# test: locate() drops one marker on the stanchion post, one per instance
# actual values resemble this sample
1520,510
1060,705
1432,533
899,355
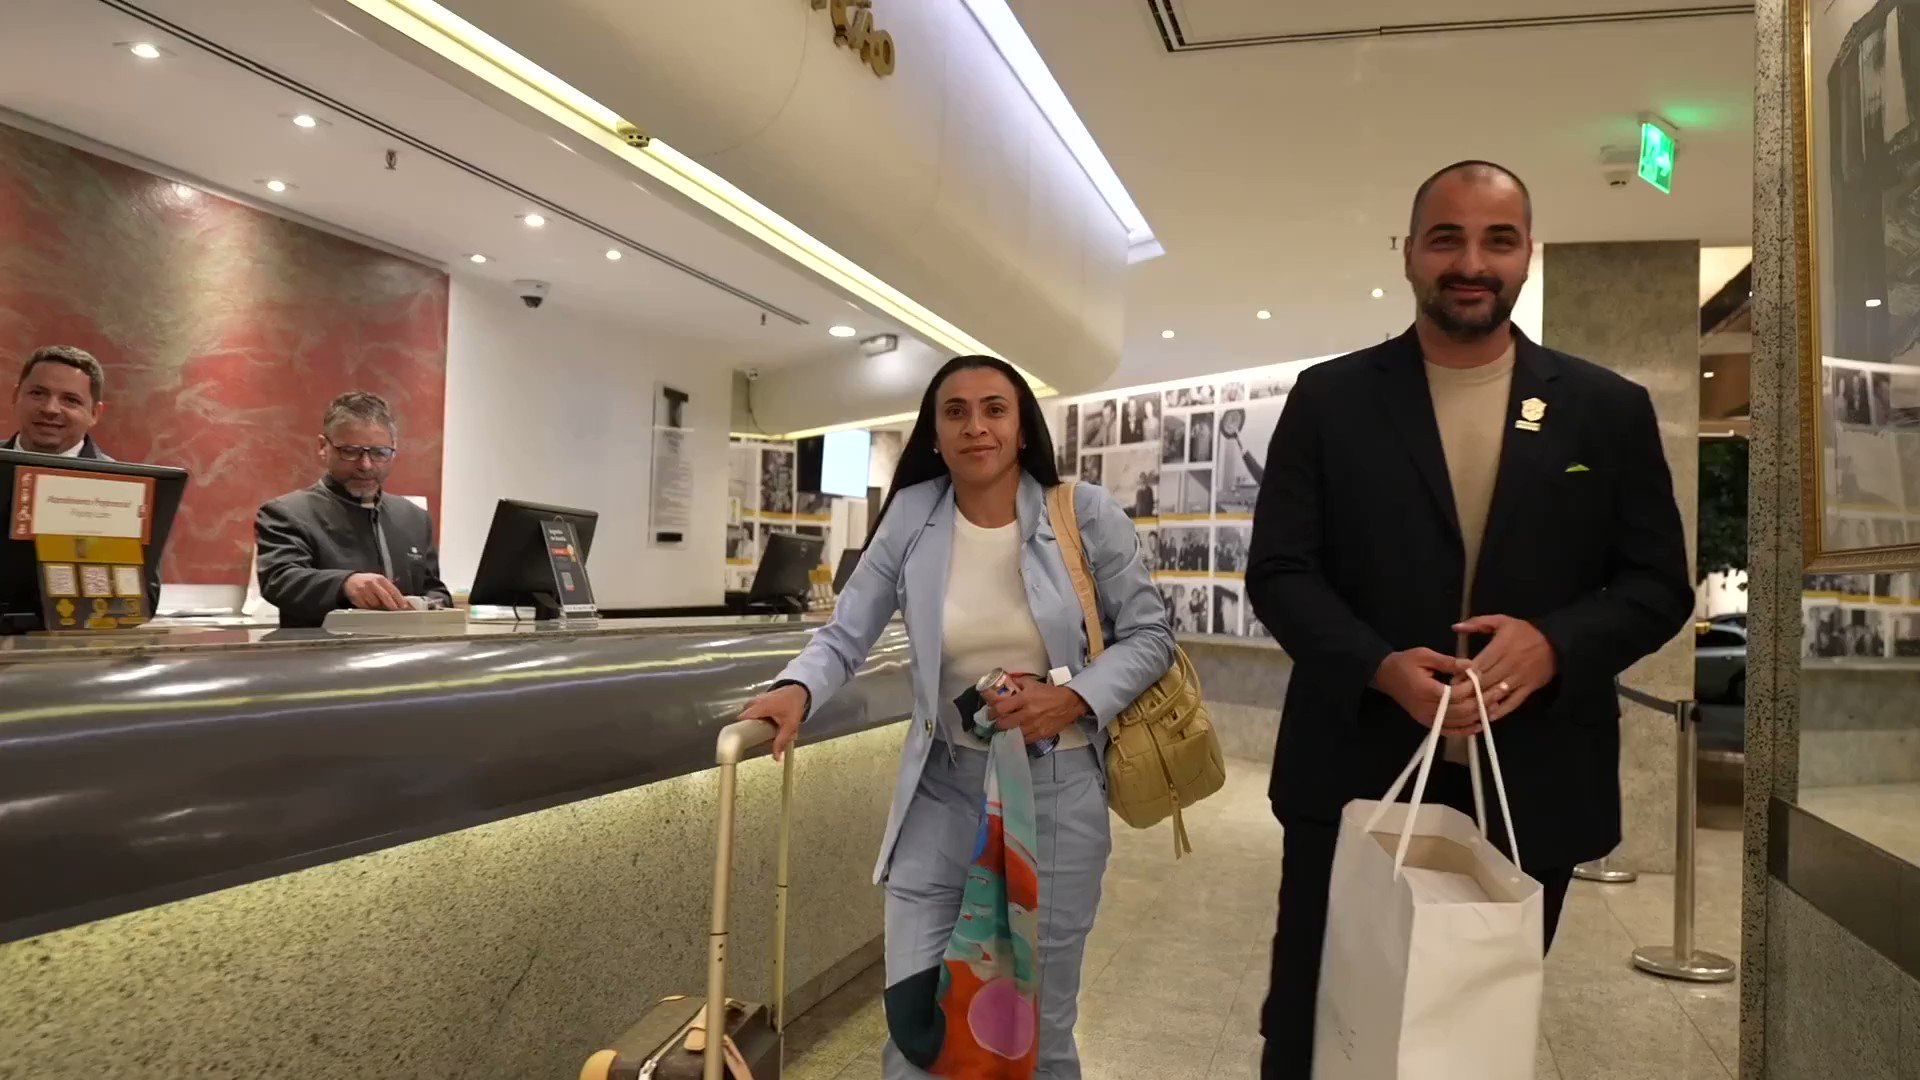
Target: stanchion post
1602,871
1681,960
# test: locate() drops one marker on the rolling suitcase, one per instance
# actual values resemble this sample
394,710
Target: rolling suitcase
671,1041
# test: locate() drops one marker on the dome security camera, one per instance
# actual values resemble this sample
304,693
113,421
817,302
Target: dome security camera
532,293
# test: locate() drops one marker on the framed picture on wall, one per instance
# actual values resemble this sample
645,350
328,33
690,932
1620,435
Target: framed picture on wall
1858,232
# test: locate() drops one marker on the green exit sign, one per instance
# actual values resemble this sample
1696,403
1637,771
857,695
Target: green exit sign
1656,156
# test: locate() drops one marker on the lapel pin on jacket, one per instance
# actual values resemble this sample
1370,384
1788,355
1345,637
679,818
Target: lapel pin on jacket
1532,411
1577,467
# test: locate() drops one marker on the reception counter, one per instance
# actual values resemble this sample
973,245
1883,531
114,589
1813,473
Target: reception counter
241,853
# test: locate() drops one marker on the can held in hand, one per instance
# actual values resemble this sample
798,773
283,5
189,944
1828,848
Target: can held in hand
999,683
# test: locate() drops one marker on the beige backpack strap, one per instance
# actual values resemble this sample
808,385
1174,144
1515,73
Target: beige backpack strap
1066,530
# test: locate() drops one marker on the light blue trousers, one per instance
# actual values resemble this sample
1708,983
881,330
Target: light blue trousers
930,867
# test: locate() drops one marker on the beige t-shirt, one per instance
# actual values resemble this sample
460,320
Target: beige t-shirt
1470,405
987,622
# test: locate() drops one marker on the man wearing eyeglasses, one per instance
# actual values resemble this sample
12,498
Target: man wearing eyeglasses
345,542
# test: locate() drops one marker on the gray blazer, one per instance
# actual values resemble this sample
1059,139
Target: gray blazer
905,569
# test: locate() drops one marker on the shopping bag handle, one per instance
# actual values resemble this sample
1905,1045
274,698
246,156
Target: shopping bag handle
1423,762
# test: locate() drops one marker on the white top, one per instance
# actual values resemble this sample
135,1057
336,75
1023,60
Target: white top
987,622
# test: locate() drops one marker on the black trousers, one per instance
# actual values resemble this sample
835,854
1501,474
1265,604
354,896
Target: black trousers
1306,872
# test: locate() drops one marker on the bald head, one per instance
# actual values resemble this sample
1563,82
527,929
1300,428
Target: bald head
1475,173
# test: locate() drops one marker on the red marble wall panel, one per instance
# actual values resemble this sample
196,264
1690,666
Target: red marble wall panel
224,332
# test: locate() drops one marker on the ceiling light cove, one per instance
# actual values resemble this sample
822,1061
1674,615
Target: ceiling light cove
485,57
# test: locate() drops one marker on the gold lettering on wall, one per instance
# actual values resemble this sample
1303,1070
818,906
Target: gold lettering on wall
853,29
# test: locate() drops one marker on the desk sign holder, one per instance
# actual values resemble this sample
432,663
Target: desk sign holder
572,596
90,536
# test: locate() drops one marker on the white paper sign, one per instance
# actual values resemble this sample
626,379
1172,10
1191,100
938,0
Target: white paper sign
65,505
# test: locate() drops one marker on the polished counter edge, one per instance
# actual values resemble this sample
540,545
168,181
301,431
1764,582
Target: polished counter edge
202,769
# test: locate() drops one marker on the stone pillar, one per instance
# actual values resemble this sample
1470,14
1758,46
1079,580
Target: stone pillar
1635,308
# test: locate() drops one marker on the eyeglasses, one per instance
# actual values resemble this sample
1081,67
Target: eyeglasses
379,455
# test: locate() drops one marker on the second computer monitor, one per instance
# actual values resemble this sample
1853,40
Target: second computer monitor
519,566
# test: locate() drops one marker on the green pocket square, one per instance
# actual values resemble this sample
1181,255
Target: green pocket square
1577,467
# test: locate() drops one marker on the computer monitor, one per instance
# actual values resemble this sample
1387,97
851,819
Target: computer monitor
19,567
849,562
786,571
834,464
519,568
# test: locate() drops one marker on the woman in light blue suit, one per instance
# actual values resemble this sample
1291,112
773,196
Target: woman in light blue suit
965,552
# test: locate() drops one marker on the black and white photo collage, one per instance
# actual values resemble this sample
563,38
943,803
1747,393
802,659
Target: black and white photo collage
1872,499
764,498
1184,460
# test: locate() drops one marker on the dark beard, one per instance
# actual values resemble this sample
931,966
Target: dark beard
1464,329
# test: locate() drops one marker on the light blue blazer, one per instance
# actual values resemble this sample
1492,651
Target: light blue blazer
905,569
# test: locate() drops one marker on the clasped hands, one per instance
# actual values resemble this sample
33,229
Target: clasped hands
1517,661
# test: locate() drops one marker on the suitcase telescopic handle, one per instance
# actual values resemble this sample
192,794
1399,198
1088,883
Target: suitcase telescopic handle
735,742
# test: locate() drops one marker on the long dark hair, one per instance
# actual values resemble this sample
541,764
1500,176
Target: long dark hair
919,463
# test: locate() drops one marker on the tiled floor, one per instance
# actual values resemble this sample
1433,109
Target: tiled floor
1177,966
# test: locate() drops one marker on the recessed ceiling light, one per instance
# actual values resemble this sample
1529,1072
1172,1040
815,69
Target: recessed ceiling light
1166,333
533,221
1706,374
1263,313
1378,293
1875,302
277,186
145,50
613,254
476,257
842,331
303,120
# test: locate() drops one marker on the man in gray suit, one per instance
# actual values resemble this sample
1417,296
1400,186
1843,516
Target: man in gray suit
345,542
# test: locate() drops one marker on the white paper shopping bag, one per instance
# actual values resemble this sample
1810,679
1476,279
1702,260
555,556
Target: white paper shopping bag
1434,949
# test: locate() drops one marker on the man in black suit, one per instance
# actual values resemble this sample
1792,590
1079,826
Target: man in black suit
1456,497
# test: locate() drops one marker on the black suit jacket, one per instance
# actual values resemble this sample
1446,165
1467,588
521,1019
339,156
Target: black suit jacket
1357,554
309,542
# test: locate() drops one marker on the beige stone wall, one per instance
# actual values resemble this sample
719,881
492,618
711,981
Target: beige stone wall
1634,308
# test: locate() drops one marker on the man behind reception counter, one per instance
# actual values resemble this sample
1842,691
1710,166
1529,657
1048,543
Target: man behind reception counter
58,398
345,542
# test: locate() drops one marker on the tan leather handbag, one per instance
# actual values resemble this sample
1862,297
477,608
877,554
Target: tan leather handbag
1164,755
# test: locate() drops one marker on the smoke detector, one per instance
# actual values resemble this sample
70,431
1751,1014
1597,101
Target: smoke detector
1619,165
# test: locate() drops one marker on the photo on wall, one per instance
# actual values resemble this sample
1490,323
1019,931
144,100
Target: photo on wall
1091,470
1173,442
1852,397
1068,452
1185,549
1230,545
1140,419
1099,421
1267,386
1186,397
743,477
1257,629
776,481
1228,610
1186,492
812,504
1245,435
1867,469
1133,476
742,548
1150,549
1200,438
1232,392
1187,607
